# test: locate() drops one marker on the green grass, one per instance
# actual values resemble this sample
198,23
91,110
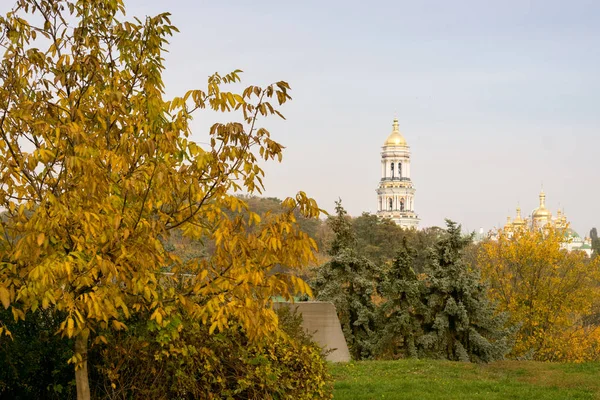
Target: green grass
426,379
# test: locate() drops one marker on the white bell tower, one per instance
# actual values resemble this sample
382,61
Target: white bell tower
396,193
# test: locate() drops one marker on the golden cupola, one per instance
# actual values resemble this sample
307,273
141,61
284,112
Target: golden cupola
395,138
519,221
561,220
541,216
508,225
542,212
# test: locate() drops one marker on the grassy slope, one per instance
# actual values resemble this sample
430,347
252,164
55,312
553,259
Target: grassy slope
416,379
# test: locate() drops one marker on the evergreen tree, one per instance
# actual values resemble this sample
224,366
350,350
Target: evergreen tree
341,226
401,315
349,282
460,323
595,242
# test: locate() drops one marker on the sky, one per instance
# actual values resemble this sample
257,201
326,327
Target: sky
495,98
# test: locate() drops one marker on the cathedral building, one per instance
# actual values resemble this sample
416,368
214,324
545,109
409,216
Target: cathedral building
396,193
541,217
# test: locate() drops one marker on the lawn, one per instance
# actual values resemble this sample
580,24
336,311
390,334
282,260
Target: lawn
423,380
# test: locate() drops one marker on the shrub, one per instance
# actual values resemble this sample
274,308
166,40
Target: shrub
140,362
225,365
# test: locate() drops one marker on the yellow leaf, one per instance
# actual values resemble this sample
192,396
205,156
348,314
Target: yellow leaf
4,296
70,327
40,239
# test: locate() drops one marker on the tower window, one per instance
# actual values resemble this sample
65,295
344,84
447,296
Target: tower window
399,170
392,169
402,205
391,205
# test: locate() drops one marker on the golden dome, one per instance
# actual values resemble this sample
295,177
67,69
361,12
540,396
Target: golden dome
518,219
542,212
395,138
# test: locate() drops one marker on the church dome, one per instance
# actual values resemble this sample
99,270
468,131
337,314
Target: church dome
519,221
570,233
395,138
542,212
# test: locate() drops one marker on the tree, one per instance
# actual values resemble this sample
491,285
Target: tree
422,242
460,322
402,311
378,239
548,291
595,242
349,281
98,169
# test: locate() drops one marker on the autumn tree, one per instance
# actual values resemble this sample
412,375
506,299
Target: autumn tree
98,168
349,281
549,292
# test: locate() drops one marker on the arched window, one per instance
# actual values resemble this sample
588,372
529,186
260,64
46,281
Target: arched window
391,205
399,170
401,204
392,165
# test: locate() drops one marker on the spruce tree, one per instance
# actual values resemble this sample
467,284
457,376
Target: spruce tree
595,242
402,313
460,323
349,282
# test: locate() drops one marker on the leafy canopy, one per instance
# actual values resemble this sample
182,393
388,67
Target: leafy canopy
98,169
549,291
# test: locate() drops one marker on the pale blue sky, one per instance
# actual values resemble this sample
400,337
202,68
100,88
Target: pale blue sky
494,97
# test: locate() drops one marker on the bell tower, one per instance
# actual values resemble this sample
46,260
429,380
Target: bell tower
396,193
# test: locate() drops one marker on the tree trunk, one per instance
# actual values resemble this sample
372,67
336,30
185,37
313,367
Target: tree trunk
81,372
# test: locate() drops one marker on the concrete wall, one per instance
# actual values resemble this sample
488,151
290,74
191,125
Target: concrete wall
321,321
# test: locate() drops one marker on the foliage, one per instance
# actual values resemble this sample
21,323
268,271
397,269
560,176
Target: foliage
422,242
595,242
378,239
443,313
98,169
460,323
549,291
224,365
430,302
140,363
34,361
349,282
445,380
402,311
265,207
